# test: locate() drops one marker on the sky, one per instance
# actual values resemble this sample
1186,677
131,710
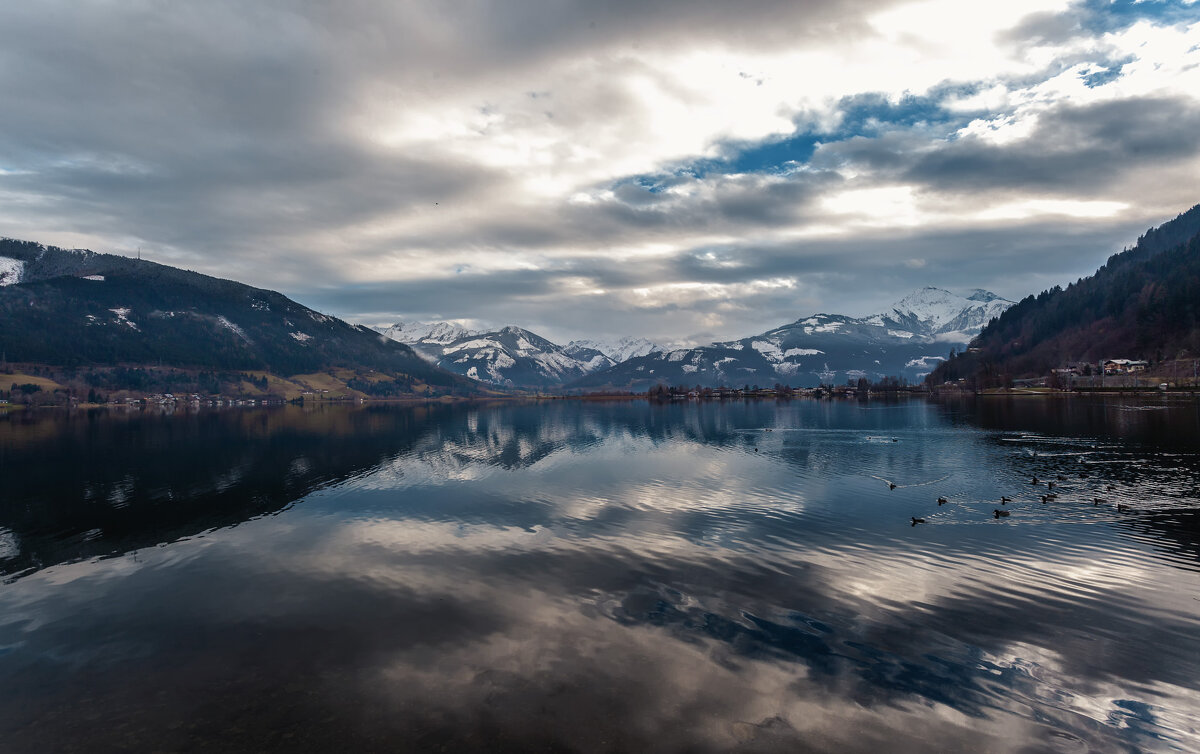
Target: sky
685,170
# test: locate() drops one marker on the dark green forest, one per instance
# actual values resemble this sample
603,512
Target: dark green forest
1144,303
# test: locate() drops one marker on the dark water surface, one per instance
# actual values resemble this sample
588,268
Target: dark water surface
603,577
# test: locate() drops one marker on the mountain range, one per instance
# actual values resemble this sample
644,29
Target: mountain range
77,308
511,357
908,340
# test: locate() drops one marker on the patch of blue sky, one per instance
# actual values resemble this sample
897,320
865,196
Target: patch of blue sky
1113,15
873,114
868,115
1106,72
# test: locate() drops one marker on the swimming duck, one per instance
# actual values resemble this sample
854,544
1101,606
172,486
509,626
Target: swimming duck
891,485
1005,500
1098,500
1048,498
1062,478
1035,481
1050,485
1122,507
942,501
999,513
916,520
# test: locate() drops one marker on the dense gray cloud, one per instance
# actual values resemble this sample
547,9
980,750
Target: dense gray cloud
1077,149
856,276
571,167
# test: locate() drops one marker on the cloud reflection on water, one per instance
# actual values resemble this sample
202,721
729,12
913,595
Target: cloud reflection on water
667,588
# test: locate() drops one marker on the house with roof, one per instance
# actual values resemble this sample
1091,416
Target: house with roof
1124,366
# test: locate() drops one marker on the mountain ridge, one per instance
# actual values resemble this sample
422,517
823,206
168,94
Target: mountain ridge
510,357
83,308
905,341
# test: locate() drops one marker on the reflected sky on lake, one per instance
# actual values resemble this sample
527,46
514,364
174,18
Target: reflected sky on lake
603,577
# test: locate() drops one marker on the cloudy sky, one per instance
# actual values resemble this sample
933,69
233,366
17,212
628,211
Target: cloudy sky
682,169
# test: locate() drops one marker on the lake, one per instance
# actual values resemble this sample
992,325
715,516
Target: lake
603,576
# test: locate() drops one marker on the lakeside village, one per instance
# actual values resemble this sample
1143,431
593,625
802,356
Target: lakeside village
40,386
1107,375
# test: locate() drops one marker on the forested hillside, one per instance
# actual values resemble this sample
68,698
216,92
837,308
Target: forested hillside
79,308
1144,303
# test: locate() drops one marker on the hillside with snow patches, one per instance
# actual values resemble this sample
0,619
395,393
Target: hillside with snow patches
11,271
909,339
78,308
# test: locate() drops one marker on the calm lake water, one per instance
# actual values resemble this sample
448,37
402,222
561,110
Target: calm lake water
593,577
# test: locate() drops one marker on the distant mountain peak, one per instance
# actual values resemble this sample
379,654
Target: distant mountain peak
619,350
927,300
510,356
426,332
933,311
979,294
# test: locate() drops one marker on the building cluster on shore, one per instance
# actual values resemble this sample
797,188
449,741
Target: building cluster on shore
861,389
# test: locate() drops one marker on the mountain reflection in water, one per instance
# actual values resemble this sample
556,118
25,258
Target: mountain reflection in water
603,577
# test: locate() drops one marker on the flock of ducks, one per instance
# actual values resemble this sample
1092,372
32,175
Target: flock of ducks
1049,497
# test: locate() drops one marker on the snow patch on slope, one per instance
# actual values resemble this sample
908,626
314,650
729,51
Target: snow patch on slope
471,344
770,351
232,327
123,316
11,271
923,362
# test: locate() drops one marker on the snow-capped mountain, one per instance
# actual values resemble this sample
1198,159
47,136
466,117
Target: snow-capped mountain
908,340
593,357
436,333
940,314
512,356
620,350
509,357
